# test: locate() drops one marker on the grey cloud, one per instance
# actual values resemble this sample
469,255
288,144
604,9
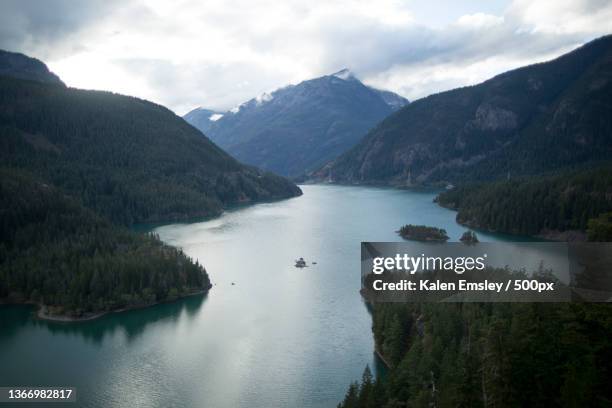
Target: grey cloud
215,86
317,43
42,27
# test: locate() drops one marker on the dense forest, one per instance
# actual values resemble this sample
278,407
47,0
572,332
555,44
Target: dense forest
543,117
55,252
127,159
531,206
78,168
489,354
502,354
422,233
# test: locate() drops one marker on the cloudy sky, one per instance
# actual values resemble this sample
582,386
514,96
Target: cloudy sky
219,53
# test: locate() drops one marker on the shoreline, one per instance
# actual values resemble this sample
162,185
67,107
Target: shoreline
370,306
42,310
545,234
381,357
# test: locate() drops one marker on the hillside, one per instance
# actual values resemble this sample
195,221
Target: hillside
545,206
127,159
20,66
78,167
489,354
296,129
56,253
541,117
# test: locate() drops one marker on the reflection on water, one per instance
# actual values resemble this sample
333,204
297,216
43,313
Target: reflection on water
130,323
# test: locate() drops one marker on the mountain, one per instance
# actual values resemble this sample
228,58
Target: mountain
77,168
20,66
297,128
125,158
534,119
203,119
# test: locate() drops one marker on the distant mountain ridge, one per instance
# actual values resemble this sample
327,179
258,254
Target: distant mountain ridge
297,128
530,120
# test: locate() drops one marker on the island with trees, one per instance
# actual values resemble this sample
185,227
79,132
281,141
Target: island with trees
423,233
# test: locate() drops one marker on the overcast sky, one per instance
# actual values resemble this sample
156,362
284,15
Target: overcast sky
219,53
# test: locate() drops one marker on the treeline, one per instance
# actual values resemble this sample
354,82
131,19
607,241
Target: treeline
530,206
493,354
55,252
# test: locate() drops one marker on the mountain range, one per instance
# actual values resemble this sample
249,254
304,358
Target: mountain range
530,120
298,128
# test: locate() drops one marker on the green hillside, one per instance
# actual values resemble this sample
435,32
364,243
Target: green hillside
127,159
534,205
530,120
55,252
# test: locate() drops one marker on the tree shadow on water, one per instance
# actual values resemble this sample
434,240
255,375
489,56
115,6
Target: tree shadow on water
132,322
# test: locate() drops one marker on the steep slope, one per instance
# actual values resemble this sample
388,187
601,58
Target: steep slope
298,128
20,66
529,120
127,159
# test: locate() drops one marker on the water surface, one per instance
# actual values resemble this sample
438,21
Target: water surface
267,335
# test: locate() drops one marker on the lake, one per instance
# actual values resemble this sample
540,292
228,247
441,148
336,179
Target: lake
267,334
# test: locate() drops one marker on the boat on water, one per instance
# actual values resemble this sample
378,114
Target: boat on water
300,263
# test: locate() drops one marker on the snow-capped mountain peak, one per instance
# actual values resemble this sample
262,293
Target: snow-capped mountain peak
344,74
295,129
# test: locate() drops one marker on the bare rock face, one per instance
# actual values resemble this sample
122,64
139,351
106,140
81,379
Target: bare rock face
489,117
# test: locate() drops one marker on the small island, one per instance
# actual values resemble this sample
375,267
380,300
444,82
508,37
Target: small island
423,233
469,237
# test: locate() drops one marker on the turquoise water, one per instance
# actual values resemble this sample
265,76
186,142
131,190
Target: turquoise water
277,337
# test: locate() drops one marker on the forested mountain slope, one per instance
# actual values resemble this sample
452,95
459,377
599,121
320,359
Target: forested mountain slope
543,205
126,158
489,354
57,253
538,118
